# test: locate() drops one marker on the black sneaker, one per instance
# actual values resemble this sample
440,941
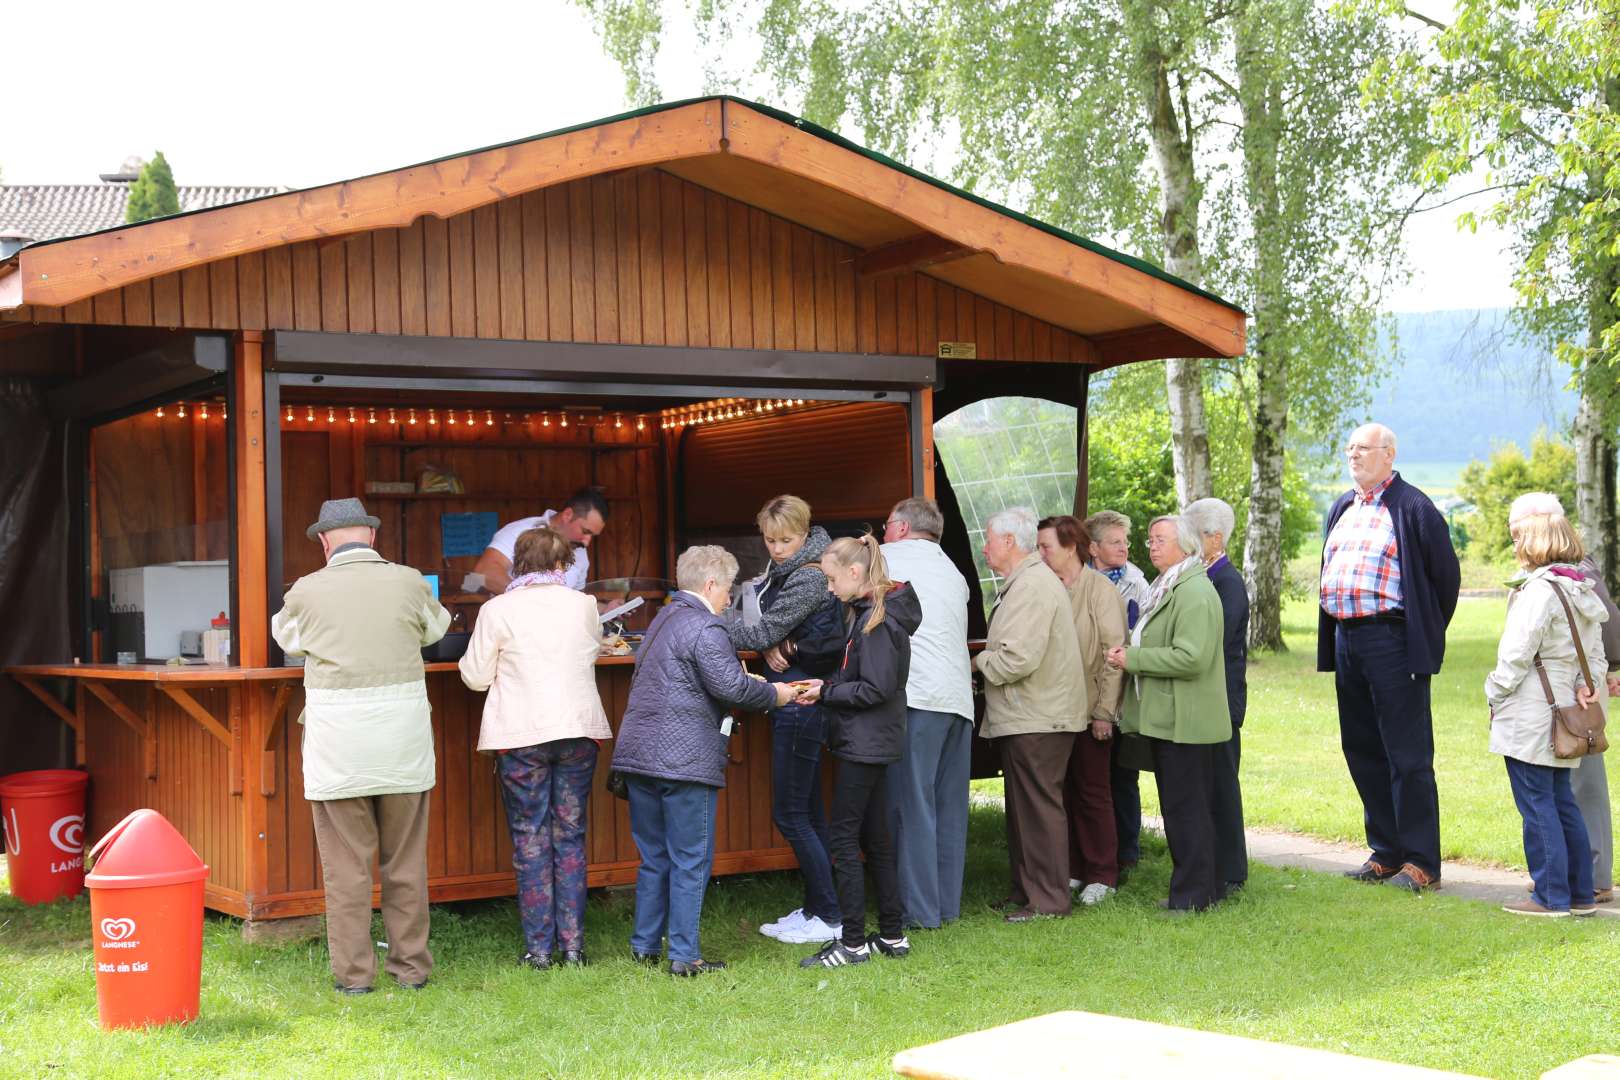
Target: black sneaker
684,970
647,959
351,991
539,961
837,954
894,948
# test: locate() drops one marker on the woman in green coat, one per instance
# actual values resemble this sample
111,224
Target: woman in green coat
1175,697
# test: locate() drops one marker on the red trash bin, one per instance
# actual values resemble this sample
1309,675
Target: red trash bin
43,813
146,921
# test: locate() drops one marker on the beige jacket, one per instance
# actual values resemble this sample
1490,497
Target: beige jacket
360,624
1034,683
535,651
1099,622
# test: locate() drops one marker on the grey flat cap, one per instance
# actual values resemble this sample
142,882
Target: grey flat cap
341,514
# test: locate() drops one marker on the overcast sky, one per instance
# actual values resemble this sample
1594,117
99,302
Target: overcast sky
301,93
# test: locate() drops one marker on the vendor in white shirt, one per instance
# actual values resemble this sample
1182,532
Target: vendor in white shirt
580,521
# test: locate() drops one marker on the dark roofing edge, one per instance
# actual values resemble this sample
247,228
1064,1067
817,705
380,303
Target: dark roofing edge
776,114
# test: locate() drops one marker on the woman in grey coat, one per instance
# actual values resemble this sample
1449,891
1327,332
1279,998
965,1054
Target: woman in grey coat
1541,628
672,752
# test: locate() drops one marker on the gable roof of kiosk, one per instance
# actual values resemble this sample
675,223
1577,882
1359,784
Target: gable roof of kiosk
899,218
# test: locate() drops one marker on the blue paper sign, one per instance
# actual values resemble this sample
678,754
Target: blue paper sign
467,534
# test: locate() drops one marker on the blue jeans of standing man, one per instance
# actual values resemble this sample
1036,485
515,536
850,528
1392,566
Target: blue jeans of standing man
1387,732
545,789
672,823
797,733
1555,844
928,796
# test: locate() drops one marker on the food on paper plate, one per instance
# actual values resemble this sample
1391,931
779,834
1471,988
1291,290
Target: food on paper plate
615,645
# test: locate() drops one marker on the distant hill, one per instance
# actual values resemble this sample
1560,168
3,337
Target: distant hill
1464,383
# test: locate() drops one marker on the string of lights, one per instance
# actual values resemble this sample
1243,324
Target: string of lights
715,411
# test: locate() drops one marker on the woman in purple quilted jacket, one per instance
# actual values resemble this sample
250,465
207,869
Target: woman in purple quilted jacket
672,751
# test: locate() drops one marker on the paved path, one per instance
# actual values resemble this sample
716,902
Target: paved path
1459,879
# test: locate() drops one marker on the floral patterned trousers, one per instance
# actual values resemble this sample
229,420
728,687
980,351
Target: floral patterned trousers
545,788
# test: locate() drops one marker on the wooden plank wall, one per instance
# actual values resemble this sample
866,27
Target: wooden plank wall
192,786
641,258
328,460
849,462
160,488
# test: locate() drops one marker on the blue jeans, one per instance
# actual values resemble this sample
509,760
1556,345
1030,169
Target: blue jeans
928,798
1387,733
1555,843
797,733
672,822
546,789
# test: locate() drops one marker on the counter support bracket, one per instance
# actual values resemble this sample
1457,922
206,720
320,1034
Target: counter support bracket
226,735
62,712
143,728
272,727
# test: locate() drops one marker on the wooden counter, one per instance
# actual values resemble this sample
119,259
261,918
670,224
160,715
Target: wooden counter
216,750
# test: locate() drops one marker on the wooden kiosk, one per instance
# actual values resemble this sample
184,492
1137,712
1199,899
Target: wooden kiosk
695,306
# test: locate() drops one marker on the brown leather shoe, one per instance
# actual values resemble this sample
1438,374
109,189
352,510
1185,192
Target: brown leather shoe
1530,907
1604,896
1414,879
1371,871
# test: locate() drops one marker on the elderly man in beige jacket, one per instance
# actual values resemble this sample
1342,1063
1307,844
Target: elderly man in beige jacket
1035,700
360,623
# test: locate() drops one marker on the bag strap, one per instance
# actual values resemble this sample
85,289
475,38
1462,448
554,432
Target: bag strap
1580,651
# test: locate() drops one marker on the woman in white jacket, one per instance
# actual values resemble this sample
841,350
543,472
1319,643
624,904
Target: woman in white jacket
534,649
1555,841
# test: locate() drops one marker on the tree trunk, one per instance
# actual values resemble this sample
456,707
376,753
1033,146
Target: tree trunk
1589,469
1595,418
1179,195
1260,99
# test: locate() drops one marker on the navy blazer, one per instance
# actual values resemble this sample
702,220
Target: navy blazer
1430,577
1234,596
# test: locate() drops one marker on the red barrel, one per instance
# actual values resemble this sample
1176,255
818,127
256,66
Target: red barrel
44,825
146,922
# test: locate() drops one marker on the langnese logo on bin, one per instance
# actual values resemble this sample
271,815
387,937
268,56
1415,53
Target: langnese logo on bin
118,933
67,834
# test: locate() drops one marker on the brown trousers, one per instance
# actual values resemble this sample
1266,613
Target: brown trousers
1034,767
390,830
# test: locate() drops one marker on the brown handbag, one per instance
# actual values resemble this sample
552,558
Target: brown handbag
1577,730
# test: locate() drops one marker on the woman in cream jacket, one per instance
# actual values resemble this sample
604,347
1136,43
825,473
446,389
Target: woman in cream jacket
534,650
1556,847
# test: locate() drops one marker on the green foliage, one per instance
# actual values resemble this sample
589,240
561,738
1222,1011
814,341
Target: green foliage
1131,468
1529,92
1492,486
153,193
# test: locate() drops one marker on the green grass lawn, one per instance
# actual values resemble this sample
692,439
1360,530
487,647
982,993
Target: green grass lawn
1300,958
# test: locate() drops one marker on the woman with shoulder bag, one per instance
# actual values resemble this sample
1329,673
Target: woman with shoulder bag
1537,659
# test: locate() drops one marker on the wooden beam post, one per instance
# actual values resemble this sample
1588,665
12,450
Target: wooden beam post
1082,449
923,402
913,253
250,636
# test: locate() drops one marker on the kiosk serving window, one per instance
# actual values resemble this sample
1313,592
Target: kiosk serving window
159,533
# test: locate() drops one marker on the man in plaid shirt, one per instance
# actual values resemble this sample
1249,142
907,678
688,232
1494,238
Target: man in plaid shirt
1388,589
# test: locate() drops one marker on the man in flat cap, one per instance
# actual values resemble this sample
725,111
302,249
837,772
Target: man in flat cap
361,623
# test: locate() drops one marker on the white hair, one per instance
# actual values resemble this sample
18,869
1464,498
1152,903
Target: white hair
699,565
1385,436
1535,502
1211,517
1186,536
1018,522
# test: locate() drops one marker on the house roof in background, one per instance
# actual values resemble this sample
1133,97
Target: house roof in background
51,211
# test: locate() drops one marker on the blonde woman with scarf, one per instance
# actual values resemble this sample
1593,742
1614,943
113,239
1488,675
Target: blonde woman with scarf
1175,697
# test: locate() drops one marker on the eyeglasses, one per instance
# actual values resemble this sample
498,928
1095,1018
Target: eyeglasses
1154,541
1361,448
895,521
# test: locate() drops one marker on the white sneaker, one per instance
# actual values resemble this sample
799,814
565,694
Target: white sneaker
787,922
1095,893
811,930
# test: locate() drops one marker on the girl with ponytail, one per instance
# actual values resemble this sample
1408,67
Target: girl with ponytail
864,700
